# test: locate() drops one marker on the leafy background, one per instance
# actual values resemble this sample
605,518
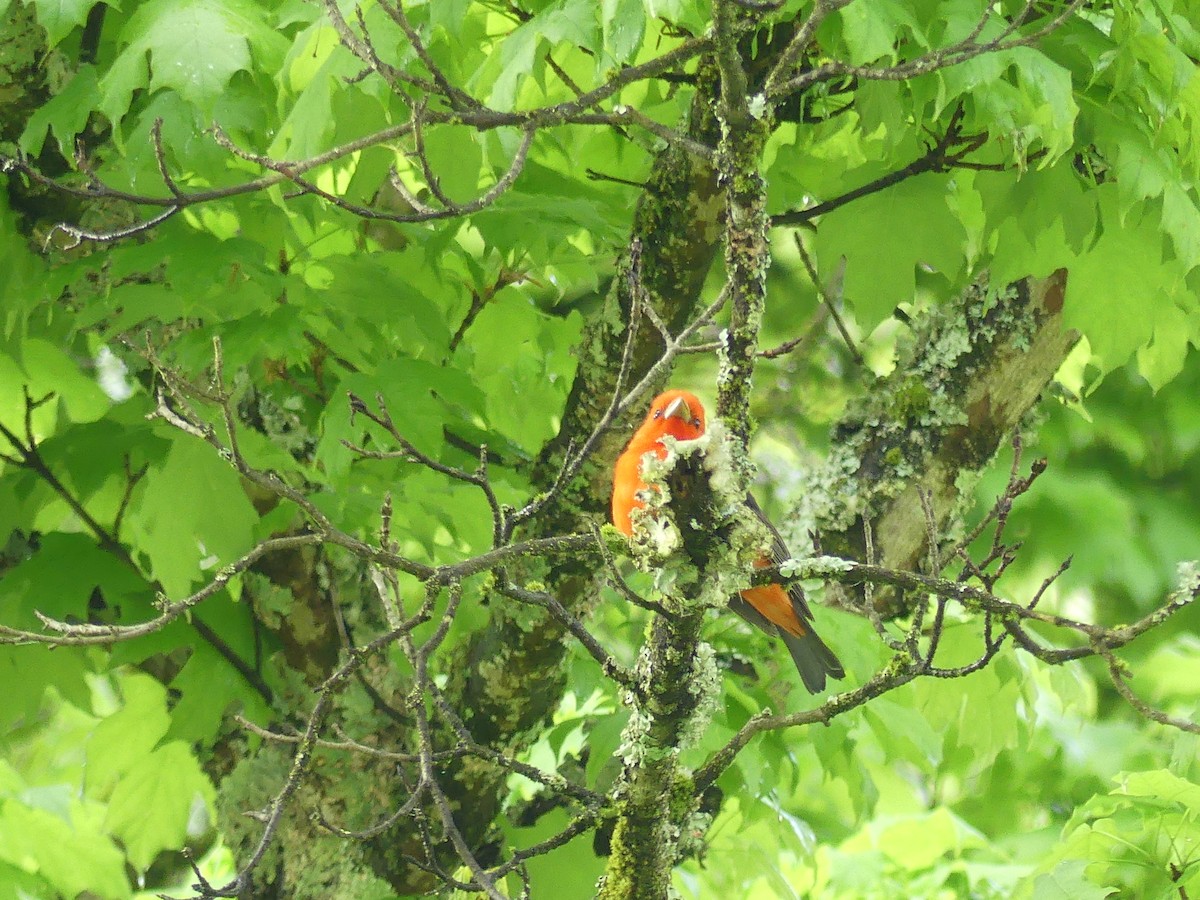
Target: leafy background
1022,780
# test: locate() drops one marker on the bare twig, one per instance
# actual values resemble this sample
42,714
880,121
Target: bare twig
621,402
457,98
364,49
550,603
960,51
85,633
827,301
1118,674
408,451
619,584
469,113
946,153
800,42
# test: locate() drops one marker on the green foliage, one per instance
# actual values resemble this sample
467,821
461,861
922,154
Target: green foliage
61,17
88,790
1079,151
174,526
192,48
868,231
1137,839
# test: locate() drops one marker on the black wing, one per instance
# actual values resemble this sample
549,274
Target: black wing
812,656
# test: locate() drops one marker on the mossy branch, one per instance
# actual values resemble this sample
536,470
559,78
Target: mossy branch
935,424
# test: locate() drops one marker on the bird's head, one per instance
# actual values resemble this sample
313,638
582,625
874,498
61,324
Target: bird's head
677,413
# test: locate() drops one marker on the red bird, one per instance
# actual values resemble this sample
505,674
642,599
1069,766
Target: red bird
771,607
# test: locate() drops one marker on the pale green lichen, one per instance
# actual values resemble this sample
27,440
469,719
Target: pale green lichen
949,345
655,536
890,435
704,683
693,833
815,566
720,462
1187,577
614,541
525,617
831,497
632,750
662,536
965,482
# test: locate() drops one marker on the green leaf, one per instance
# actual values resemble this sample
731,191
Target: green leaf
1161,784
408,388
516,351
1039,220
904,733
19,271
348,315
1050,109
874,32
192,517
1119,291
884,236
456,158
50,370
421,397
133,304
604,737
880,106
26,672
693,15
1181,221
64,115
623,23
43,583
449,14
14,881
573,874
1069,881
571,21
560,216
914,843
314,71
122,741
194,47
1173,669
1162,359
1143,169
61,17
151,806
73,856
207,686
129,72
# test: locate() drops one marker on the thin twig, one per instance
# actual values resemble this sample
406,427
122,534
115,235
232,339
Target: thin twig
961,51
1116,671
827,301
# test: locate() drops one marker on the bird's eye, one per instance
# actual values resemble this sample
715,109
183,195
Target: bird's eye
658,414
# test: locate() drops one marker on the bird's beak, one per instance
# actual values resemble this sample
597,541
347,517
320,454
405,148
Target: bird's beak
679,409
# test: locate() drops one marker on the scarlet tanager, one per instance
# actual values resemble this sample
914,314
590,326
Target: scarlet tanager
772,608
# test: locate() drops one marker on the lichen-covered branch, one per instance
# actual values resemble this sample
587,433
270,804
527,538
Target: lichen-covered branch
508,676
678,678
745,127
1099,641
655,796
933,426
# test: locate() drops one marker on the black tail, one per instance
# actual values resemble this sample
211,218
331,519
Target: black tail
813,659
